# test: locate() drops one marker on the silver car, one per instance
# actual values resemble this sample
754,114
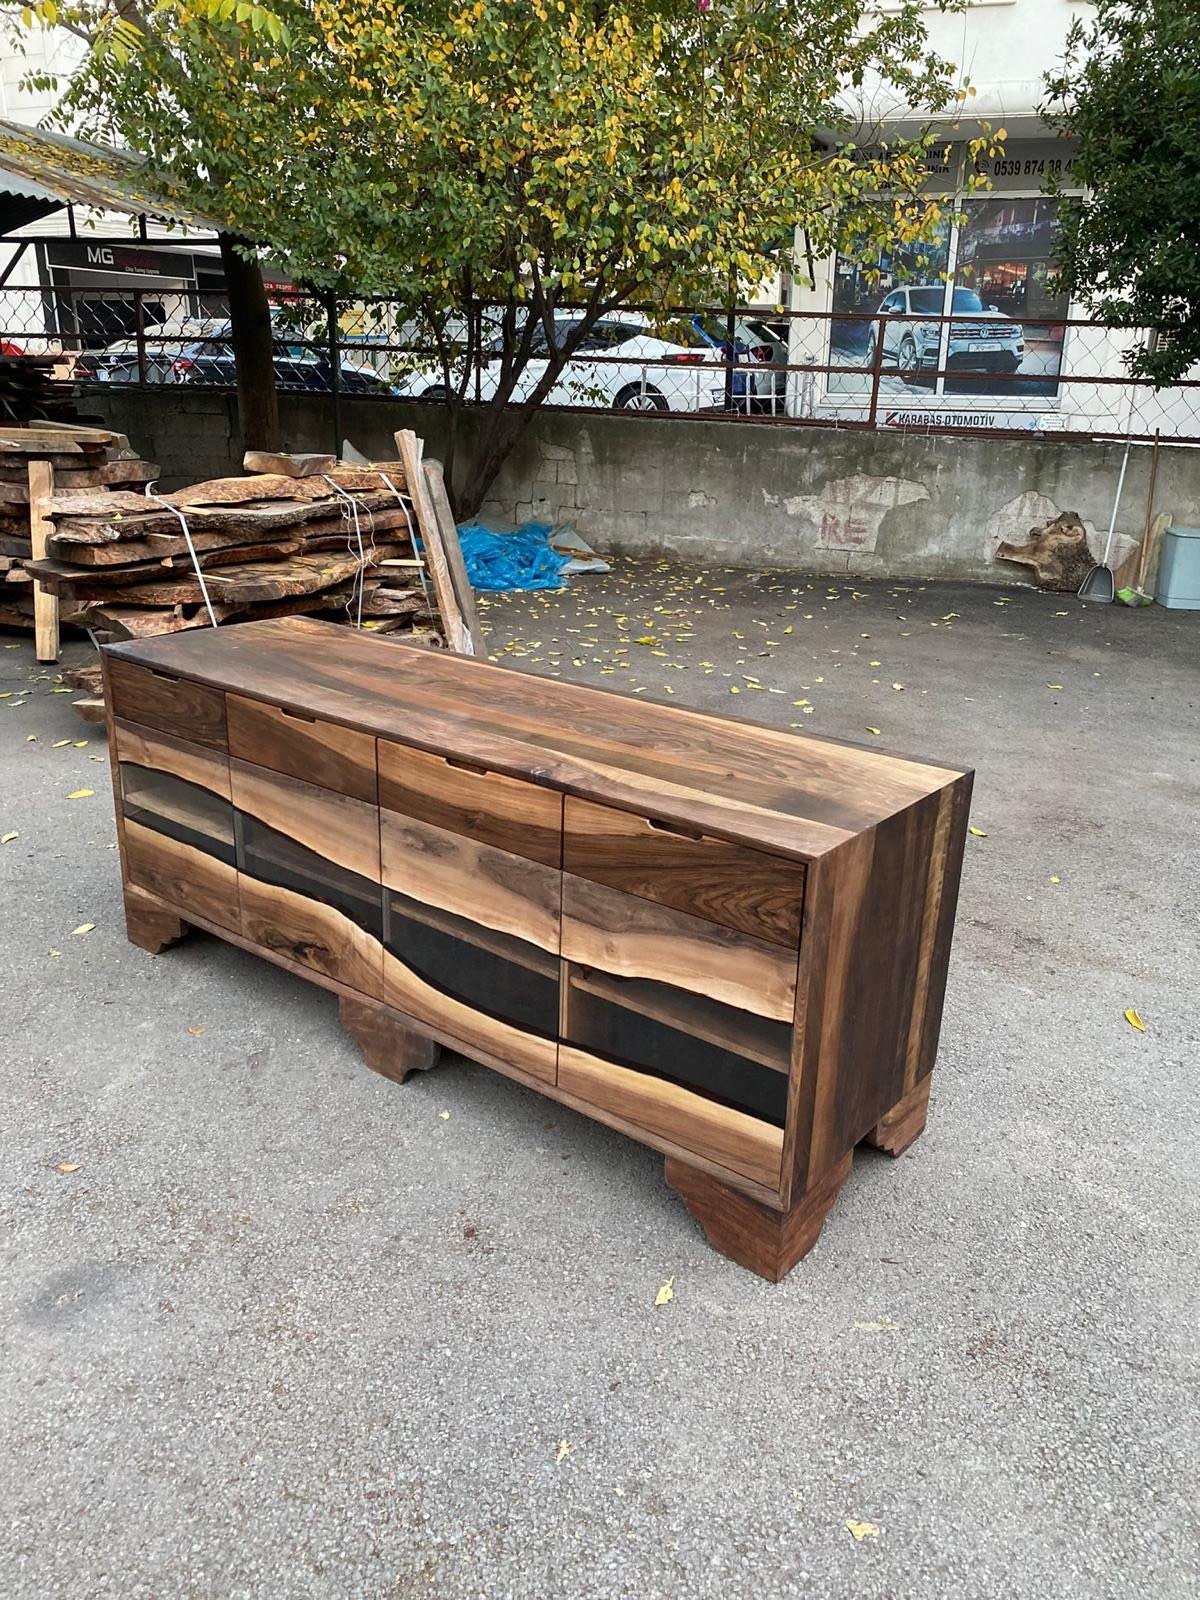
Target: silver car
981,338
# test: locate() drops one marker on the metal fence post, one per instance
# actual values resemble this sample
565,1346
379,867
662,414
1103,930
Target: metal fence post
876,369
139,328
335,374
731,343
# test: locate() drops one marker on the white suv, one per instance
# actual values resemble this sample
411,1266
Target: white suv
984,340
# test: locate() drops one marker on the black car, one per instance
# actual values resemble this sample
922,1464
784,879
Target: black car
211,361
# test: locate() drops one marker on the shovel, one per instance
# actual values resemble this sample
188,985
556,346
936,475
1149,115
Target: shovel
1099,584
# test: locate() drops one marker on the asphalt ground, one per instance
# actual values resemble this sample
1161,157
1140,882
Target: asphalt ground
271,1325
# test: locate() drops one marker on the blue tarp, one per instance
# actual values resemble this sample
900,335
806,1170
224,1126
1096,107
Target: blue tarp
520,560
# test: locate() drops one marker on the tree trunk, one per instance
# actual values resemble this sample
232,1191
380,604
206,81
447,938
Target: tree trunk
253,351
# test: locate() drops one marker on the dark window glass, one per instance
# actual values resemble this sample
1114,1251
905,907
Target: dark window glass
184,811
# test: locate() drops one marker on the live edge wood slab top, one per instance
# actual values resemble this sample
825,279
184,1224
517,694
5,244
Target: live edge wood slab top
787,793
724,940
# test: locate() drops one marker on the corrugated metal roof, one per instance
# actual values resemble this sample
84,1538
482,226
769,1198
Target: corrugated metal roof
49,169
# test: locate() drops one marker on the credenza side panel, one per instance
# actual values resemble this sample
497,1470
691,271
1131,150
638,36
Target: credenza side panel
873,956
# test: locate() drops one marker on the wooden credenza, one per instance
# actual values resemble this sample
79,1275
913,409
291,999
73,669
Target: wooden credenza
727,941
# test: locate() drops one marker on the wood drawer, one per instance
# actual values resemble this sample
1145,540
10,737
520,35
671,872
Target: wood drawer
299,744
671,1116
472,937
308,864
634,938
171,704
177,822
728,884
508,813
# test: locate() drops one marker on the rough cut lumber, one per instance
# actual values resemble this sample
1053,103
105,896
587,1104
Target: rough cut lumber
1057,553
13,488
45,605
302,466
457,634
463,592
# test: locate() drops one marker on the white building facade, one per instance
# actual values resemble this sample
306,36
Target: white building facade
1014,355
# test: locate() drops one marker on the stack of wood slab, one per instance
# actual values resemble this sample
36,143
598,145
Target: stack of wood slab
330,542
33,460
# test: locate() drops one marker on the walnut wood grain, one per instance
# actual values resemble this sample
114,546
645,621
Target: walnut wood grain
198,764
777,791
162,700
148,925
389,1047
182,875
311,934
335,826
506,893
724,883
757,1237
904,1123
728,1137
302,746
512,814
636,939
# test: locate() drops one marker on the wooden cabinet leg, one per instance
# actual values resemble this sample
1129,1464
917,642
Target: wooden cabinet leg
388,1047
897,1128
767,1242
148,925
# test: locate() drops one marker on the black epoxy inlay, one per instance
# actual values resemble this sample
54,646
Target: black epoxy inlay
273,858
180,810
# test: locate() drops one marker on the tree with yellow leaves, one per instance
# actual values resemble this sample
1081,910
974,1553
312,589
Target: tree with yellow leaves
491,162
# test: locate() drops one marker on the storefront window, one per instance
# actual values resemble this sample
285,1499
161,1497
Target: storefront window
993,272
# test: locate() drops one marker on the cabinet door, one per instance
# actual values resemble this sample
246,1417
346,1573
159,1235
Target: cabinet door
679,1026
302,746
177,823
471,942
308,864
729,884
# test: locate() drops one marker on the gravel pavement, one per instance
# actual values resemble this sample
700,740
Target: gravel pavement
272,1326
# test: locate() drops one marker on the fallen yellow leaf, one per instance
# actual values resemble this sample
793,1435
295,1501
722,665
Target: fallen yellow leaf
861,1530
977,832
1055,880
60,744
1054,686
647,638
445,1116
68,1166
899,686
7,838
884,1325
873,730
84,927
563,1451
81,794
1134,1021
666,1294
196,1030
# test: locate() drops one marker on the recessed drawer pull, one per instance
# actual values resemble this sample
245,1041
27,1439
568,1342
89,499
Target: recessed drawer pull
295,716
673,827
464,766
167,677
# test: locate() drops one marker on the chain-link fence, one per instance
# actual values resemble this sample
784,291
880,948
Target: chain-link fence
922,368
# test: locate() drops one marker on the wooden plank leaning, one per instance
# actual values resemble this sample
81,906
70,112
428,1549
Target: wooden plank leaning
45,604
458,635
435,478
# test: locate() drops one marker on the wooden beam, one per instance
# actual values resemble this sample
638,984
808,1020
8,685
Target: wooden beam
45,604
458,635
436,480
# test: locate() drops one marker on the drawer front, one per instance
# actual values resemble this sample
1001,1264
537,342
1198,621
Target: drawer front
507,813
177,823
676,1004
668,1115
728,884
308,862
172,705
472,941
302,746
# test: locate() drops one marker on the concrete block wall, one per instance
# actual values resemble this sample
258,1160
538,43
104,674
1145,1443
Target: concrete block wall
729,493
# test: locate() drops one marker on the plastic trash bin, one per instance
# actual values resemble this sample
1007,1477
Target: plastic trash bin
1178,583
